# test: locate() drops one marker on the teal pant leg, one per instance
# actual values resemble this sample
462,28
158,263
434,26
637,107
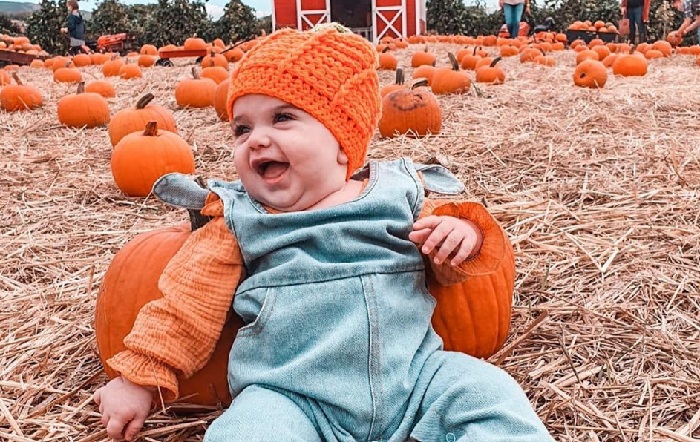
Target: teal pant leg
467,399
259,414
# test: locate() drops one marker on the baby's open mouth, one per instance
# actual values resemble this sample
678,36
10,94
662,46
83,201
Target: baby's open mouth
271,169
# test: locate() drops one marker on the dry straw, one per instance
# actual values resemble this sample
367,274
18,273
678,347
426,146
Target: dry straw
598,191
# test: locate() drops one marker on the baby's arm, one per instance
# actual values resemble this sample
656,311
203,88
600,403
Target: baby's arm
178,332
482,239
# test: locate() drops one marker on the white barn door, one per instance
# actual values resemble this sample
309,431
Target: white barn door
312,12
388,19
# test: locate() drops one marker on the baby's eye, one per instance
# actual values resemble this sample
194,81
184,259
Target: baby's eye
240,129
283,116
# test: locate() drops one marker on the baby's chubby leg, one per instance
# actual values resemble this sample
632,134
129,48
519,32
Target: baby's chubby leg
259,414
468,399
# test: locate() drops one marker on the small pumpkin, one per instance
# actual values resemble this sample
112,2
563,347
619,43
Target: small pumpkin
591,74
135,119
139,159
423,58
83,109
129,71
148,49
387,60
82,60
67,75
16,97
146,61
450,80
195,92
194,44
111,68
130,282
491,73
414,112
214,59
215,73
102,87
630,65
220,99
469,60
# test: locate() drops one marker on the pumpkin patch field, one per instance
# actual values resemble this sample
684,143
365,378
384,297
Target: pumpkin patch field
594,175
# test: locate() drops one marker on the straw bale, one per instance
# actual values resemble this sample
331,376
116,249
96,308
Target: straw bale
598,190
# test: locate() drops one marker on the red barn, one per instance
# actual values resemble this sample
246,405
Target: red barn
373,19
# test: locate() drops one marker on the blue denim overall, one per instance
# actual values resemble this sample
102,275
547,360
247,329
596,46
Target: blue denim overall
338,344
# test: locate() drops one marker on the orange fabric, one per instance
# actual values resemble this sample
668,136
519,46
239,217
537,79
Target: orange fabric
178,333
328,74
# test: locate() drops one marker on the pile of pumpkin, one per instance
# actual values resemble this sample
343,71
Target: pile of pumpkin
20,44
596,26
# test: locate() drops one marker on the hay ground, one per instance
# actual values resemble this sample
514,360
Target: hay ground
598,190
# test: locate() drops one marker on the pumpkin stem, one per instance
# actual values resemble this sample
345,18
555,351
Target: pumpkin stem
453,61
420,83
151,129
632,49
16,77
385,50
198,220
495,60
400,77
81,88
143,101
426,48
474,52
194,73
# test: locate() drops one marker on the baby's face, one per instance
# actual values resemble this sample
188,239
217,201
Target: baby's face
285,158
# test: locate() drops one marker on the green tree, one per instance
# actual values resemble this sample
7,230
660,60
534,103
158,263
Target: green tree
447,17
238,22
7,26
173,21
110,17
44,26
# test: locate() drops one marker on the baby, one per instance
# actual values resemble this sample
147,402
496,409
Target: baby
328,268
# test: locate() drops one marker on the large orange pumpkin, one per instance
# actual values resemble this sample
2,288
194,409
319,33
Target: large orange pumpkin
130,282
139,159
414,112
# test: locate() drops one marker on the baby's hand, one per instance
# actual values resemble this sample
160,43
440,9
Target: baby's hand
455,237
124,407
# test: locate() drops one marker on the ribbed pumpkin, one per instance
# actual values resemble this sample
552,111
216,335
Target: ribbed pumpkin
16,97
195,92
215,73
130,71
146,61
490,74
148,49
220,100
102,87
82,60
214,59
111,68
591,74
67,75
474,317
423,58
131,281
414,112
387,60
130,120
194,44
630,65
83,109
139,159
450,80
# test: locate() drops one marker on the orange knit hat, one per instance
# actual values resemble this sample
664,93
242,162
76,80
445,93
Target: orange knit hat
330,75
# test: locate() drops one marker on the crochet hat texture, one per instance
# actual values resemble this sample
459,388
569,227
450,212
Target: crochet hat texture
329,74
